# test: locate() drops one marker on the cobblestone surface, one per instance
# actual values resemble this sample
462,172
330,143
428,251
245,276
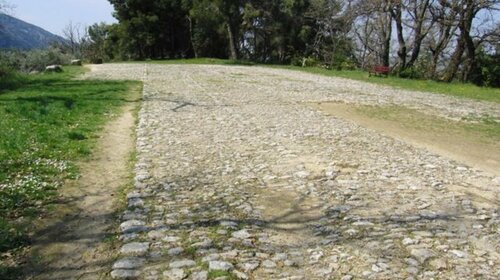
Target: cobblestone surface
237,178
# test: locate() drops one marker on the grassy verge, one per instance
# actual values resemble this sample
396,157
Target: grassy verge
453,89
475,144
47,123
485,129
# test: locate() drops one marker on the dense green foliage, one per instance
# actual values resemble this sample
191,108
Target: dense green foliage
490,69
263,31
46,123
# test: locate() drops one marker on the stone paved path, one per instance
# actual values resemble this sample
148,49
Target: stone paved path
237,178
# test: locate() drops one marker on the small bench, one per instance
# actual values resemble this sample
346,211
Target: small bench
379,70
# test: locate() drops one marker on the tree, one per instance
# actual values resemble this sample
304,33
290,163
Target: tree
332,22
154,28
396,10
466,11
422,23
276,31
441,31
74,35
375,19
410,17
94,45
208,30
230,12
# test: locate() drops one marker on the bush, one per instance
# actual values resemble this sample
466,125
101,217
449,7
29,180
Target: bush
296,61
9,79
35,60
304,61
411,73
4,72
12,59
489,65
348,65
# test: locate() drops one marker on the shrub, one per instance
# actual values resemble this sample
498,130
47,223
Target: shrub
12,59
35,60
296,61
348,65
411,73
304,61
310,62
489,65
9,79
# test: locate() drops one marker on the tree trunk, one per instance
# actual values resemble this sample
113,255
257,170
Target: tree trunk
420,12
433,70
464,42
416,51
387,42
446,31
397,15
195,51
472,72
232,44
455,61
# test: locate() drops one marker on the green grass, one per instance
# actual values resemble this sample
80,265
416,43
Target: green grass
485,128
47,123
453,89
220,273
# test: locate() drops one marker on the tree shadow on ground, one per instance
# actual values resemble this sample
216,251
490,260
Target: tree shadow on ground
333,217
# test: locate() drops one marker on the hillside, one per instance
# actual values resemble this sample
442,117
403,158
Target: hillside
17,34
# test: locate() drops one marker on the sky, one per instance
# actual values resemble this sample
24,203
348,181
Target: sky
54,15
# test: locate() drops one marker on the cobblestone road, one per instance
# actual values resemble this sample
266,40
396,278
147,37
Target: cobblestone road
238,178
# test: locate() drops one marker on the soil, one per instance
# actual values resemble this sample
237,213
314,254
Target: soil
76,242
463,146
288,215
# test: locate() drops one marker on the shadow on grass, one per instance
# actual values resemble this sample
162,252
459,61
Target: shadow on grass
47,91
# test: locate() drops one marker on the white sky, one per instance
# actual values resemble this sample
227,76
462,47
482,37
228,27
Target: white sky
54,15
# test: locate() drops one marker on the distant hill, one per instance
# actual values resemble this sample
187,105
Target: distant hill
17,34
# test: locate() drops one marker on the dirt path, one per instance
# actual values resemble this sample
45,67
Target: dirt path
237,176
442,137
77,242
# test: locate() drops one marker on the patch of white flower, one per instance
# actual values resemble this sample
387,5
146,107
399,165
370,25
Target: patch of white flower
32,182
25,184
59,165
